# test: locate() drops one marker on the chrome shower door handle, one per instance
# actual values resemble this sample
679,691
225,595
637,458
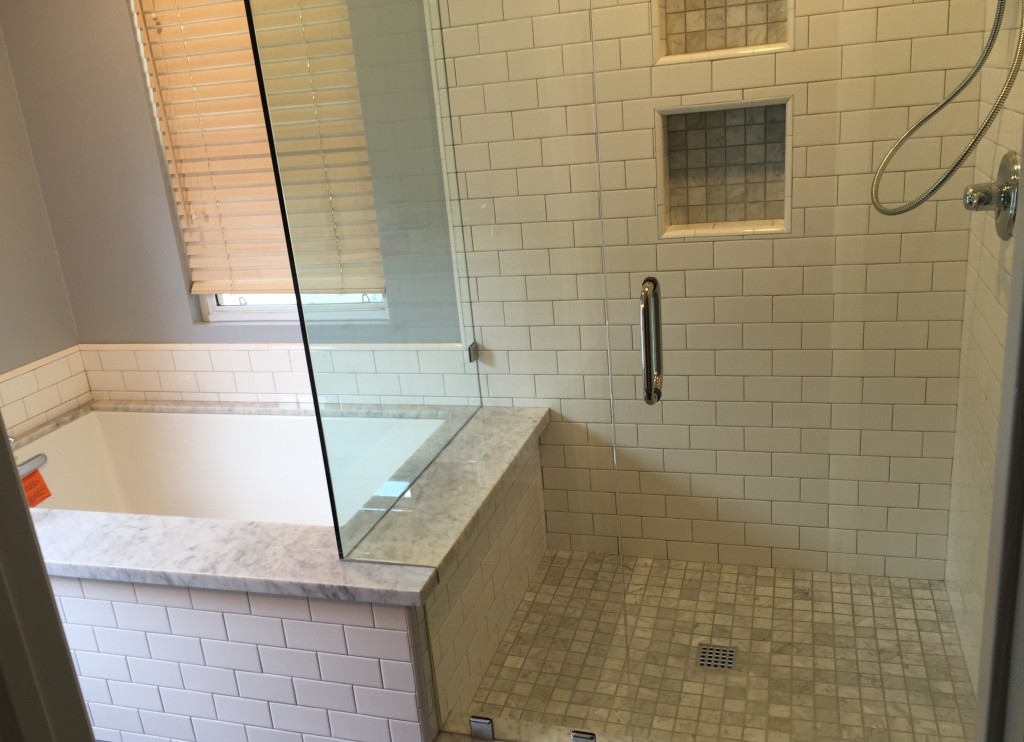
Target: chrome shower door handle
650,339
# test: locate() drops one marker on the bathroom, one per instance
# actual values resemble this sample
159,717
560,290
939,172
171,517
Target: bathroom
483,466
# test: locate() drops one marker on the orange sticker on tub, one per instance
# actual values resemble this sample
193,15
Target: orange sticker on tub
35,488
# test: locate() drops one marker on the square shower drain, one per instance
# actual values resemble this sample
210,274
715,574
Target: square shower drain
719,658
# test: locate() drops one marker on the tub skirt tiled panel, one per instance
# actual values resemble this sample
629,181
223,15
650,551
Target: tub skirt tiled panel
158,664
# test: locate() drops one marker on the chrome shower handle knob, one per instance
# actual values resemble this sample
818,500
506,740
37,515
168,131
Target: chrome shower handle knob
981,197
999,197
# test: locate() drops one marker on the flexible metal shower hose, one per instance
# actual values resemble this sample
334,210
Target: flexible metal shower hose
996,108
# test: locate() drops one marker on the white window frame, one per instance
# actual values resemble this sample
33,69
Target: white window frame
280,314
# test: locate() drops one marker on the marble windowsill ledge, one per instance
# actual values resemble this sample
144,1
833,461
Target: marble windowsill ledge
396,564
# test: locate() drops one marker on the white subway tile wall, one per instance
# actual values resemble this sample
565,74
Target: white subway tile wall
278,374
198,373
211,666
811,384
481,584
981,370
41,391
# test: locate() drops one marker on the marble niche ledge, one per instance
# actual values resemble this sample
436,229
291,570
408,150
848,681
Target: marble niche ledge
395,564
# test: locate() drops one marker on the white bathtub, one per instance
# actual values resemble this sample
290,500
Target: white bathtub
215,465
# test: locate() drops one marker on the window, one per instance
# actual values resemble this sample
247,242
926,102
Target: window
202,75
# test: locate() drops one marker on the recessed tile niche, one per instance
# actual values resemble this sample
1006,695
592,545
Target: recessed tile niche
725,169
693,26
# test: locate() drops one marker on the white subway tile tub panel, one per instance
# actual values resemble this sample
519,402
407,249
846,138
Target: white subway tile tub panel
204,688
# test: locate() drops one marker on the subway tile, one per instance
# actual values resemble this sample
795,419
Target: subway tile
299,719
209,680
255,630
351,670
176,648
121,641
232,655
324,695
88,612
367,728
149,618
201,624
292,662
210,730
315,636
155,672
242,711
918,520
104,666
188,703
279,606
258,734
387,703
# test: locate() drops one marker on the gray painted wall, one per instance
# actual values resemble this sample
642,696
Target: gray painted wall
86,107
35,316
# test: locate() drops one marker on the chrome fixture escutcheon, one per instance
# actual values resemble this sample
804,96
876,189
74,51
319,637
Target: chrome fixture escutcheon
1000,197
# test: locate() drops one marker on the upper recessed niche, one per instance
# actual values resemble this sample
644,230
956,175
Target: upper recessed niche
724,171
694,26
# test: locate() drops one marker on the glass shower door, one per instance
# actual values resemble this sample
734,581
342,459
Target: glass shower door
803,514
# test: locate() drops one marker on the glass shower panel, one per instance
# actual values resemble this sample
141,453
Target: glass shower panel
361,133
525,117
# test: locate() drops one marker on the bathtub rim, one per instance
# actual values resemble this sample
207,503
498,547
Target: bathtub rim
374,507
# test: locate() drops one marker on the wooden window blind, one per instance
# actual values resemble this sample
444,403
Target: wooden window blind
203,77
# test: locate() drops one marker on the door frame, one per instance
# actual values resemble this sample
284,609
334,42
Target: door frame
40,699
1001,673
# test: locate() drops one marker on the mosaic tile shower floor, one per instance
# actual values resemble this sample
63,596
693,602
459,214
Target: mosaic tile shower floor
610,646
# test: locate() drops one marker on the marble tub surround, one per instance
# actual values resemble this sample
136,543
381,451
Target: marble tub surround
212,554
193,629
409,543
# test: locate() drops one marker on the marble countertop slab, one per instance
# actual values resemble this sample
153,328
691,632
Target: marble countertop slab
219,555
427,525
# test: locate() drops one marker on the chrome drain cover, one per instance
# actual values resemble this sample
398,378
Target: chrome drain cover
718,658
